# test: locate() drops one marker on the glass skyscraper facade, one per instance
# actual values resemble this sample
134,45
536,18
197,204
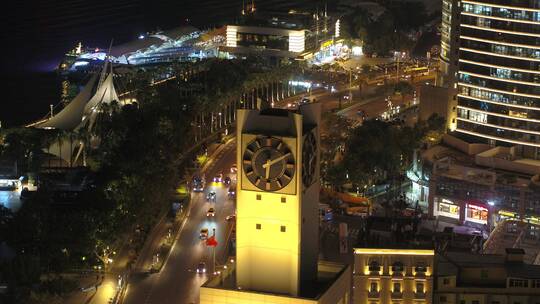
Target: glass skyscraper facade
497,63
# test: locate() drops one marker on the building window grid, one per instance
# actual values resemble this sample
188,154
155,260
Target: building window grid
521,283
501,12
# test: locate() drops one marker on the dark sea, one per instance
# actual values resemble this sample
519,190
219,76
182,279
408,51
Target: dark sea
35,34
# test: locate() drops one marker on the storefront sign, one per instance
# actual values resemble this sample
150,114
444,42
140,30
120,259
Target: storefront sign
476,207
326,44
533,220
508,214
448,208
476,214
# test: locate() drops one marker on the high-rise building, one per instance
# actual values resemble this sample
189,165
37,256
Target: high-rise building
498,68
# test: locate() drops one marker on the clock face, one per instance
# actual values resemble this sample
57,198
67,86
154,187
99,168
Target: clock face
268,163
309,159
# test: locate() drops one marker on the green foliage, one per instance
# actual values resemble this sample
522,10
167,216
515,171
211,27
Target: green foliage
388,31
23,145
377,151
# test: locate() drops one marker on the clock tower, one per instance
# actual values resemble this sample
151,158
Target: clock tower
277,199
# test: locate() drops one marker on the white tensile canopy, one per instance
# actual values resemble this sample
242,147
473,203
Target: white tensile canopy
71,116
104,94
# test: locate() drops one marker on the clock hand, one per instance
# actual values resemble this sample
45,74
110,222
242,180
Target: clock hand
271,162
267,167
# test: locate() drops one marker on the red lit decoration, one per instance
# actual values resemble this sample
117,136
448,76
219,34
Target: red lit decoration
211,241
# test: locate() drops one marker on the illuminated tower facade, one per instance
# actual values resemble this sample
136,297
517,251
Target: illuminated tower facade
498,74
277,199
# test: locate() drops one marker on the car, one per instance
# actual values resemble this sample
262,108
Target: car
204,234
211,196
232,191
346,97
218,178
211,212
201,267
234,168
227,180
230,217
292,105
198,184
305,100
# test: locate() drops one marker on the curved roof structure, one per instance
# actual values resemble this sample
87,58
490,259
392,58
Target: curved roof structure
70,116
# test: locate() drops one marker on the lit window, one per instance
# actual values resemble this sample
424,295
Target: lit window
518,283
396,287
373,287
419,287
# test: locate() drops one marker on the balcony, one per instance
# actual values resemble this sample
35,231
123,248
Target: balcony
396,295
419,295
374,270
373,294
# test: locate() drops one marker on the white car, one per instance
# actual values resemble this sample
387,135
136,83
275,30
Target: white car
204,234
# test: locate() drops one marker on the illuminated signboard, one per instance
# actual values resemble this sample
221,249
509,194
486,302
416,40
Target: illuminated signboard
448,208
477,214
507,214
327,44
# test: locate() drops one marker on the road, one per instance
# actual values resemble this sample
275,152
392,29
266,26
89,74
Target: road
178,281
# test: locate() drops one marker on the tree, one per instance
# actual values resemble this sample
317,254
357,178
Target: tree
403,88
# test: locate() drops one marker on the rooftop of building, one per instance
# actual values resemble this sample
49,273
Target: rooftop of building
393,233
453,263
150,39
291,20
328,273
480,164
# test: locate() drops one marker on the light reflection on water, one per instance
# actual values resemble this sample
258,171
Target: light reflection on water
11,200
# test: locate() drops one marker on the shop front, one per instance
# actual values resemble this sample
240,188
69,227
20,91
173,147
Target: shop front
476,213
447,208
